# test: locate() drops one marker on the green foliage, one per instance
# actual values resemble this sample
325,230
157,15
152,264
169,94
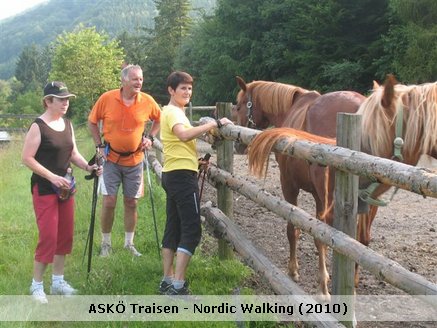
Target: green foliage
171,25
322,45
421,12
41,26
212,58
134,46
89,63
314,44
28,102
5,92
119,274
411,44
33,67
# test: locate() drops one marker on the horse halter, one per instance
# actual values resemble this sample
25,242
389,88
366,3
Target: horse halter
249,105
398,143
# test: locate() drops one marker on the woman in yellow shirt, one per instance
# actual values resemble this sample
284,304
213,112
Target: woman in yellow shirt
179,179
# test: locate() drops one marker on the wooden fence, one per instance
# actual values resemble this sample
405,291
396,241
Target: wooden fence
16,122
418,180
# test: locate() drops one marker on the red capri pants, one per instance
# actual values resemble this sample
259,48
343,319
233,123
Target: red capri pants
55,221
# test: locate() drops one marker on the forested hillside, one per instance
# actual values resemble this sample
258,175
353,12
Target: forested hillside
318,45
43,24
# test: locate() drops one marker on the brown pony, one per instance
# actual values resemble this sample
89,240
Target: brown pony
414,107
261,104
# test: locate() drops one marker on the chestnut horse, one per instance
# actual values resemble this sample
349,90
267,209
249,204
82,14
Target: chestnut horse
261,104
392,115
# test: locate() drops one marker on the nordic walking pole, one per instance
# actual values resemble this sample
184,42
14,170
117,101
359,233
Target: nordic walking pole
151,202
202,172
89,242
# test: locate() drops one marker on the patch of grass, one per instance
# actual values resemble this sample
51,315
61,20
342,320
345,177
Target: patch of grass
118,274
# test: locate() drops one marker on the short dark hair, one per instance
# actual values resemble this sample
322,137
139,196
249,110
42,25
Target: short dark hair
178,77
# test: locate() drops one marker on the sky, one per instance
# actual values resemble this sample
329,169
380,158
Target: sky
12,7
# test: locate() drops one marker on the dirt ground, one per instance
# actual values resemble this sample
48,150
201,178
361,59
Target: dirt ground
405,232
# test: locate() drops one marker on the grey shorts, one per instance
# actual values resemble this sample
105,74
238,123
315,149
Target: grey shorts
130,177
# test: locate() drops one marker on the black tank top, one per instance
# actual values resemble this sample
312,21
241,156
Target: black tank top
54,153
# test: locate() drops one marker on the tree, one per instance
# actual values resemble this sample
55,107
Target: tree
89,63
134,46
28,102
32,68
171,26
322,45
5,92
411,44
227,44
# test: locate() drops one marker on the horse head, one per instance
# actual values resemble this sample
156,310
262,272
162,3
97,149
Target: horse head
400,121
244,111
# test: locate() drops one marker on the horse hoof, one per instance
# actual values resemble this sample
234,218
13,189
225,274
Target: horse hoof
323,298
294,276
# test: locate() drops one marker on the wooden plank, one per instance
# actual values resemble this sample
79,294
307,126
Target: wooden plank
225,161
223,227
383,268
419,180
345,212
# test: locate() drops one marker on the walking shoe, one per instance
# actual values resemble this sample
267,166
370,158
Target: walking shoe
164,286
38,294
181,291
105,250
62,288
131,248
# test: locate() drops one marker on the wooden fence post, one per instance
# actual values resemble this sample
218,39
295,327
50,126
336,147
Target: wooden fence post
225,161
345,212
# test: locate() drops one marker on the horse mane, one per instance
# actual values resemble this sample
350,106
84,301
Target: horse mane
273,97
422,122
261,146
420,119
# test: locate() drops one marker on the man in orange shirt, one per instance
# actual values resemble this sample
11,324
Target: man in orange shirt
124,113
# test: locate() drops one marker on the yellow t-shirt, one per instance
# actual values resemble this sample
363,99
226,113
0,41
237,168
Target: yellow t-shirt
178,155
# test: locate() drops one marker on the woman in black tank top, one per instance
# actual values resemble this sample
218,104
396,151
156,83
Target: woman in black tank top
49,149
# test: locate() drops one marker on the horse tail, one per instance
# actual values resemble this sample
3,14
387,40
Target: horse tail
261,146
259,150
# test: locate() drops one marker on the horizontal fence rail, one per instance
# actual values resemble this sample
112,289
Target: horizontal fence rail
380,266
383,268
419,180
19,116
220,224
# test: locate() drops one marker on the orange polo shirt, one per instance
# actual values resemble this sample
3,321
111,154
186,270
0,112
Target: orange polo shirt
123,126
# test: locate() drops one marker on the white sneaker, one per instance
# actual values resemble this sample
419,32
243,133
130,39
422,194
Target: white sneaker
131,248
62,288
38,294
105,250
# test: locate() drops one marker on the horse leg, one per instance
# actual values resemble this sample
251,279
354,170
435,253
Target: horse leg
326,215
323,272
324,212
363,233
290,190
293,265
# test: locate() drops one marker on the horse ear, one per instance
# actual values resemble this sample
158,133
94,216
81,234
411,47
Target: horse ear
389,91
241,83
375,85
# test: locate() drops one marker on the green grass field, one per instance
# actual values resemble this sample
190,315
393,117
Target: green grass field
118,274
